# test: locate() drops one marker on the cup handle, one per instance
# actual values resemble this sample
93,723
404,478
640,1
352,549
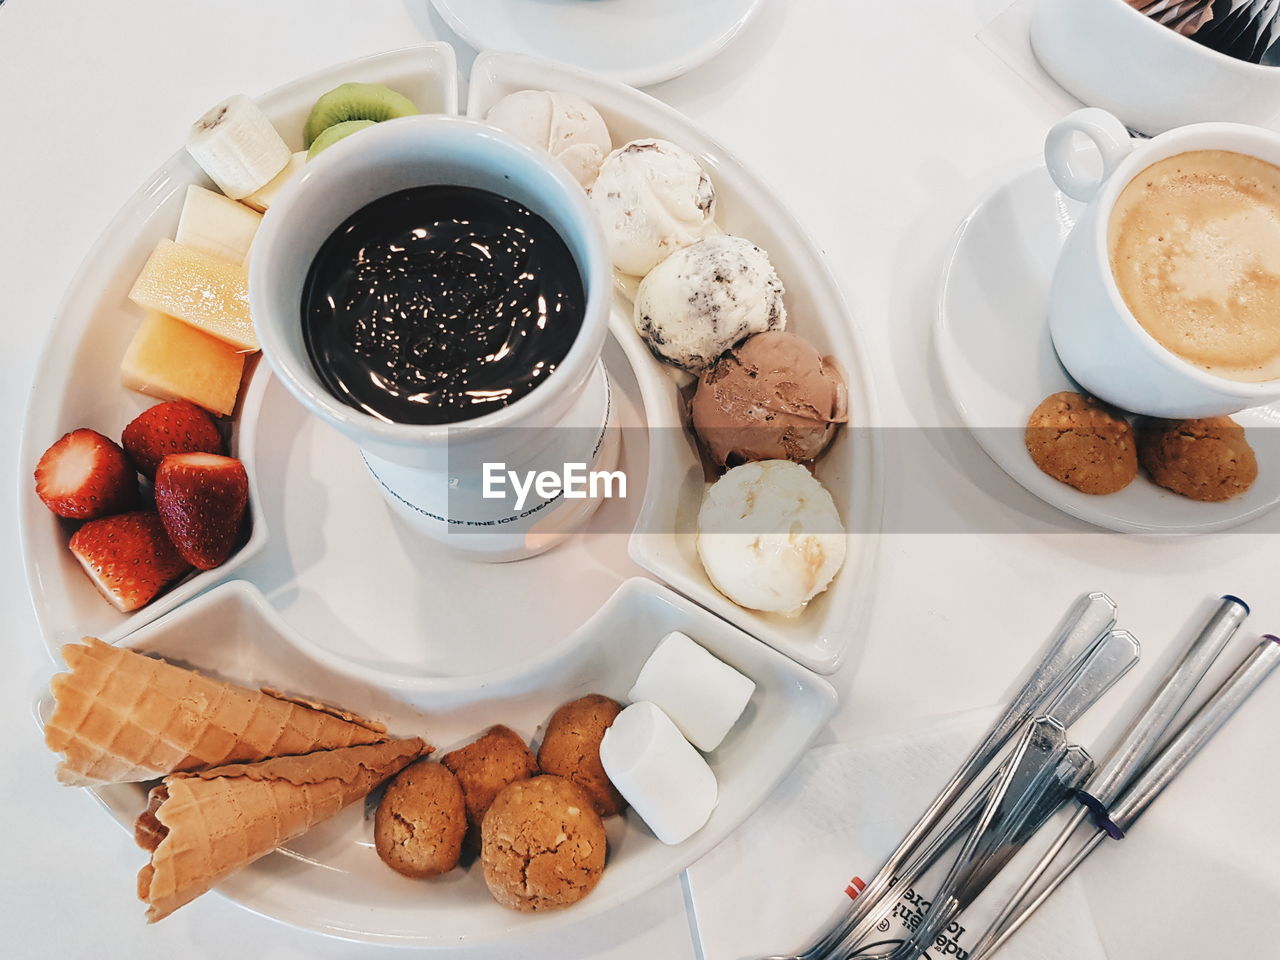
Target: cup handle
1106,133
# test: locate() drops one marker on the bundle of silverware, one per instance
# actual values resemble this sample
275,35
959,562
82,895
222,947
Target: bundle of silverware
991,818
1245,29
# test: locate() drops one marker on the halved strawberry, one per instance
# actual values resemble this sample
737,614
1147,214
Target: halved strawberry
85,475
173,427
201,498
128,557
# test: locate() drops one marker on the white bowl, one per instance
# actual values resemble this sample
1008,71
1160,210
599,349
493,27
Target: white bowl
1107,54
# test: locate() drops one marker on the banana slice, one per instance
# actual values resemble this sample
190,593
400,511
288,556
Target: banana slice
238,147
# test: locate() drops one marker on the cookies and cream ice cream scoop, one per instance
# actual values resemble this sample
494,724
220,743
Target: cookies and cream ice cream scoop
652,198
770,536
703,299
563,124
772,397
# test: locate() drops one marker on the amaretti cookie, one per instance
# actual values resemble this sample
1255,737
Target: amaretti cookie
571,749
1207,459
1083,443
488,764
543,845
421,821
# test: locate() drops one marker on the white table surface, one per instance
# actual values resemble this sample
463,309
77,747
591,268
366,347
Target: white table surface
881,124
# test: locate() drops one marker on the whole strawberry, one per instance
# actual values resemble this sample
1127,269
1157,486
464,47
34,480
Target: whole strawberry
128,557
173,427
201,498
85,475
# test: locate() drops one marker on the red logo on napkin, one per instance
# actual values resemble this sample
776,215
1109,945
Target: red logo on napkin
855,887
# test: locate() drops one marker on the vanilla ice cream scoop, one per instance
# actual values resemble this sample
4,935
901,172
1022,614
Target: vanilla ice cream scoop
563,124
770,536
703,299
652,198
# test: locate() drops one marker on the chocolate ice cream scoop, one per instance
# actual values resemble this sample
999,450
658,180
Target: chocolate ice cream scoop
773,397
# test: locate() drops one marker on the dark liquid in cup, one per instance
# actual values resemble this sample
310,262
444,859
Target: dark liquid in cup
439,304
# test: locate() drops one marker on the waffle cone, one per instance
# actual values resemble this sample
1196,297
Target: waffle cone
122,717
202,826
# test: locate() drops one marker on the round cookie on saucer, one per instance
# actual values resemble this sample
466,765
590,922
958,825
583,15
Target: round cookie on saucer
1083,443
1207,459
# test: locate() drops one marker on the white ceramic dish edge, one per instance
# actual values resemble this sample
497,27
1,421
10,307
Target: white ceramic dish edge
257,894
45,421
649,76
652,547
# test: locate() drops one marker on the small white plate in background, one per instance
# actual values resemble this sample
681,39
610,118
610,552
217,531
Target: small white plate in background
640,42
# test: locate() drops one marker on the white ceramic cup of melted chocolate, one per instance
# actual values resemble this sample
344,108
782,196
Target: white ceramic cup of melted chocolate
432,474
1101,343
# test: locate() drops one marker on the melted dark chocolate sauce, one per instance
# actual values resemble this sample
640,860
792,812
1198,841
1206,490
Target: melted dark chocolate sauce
439,304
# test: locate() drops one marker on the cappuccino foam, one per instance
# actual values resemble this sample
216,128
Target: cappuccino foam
1195,251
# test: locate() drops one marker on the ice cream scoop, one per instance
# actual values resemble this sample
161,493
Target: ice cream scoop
563,124
772,397
703,299
652,198
770,536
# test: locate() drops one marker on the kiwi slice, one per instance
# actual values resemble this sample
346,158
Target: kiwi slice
355,101
332,135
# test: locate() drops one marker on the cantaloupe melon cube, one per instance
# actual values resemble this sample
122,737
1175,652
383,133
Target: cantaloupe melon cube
200,289
217,224
172,360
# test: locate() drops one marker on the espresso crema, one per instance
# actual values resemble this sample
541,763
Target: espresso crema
1194,242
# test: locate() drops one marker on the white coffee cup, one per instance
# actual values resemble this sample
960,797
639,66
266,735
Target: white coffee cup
431,474
1107,54
1098,339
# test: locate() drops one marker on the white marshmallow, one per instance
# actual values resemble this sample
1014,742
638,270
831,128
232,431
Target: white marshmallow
659,772
702,695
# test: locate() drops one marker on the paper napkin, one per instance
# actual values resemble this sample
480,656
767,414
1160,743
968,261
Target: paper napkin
780,878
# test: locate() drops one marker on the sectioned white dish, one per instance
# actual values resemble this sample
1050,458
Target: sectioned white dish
663,542
331,881
77,381
993,344
347,606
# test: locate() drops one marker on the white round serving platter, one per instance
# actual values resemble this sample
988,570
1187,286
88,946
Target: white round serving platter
640,42
997,358
386,624
331,881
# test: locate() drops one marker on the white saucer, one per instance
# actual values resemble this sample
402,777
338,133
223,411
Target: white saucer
640,42
997,358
